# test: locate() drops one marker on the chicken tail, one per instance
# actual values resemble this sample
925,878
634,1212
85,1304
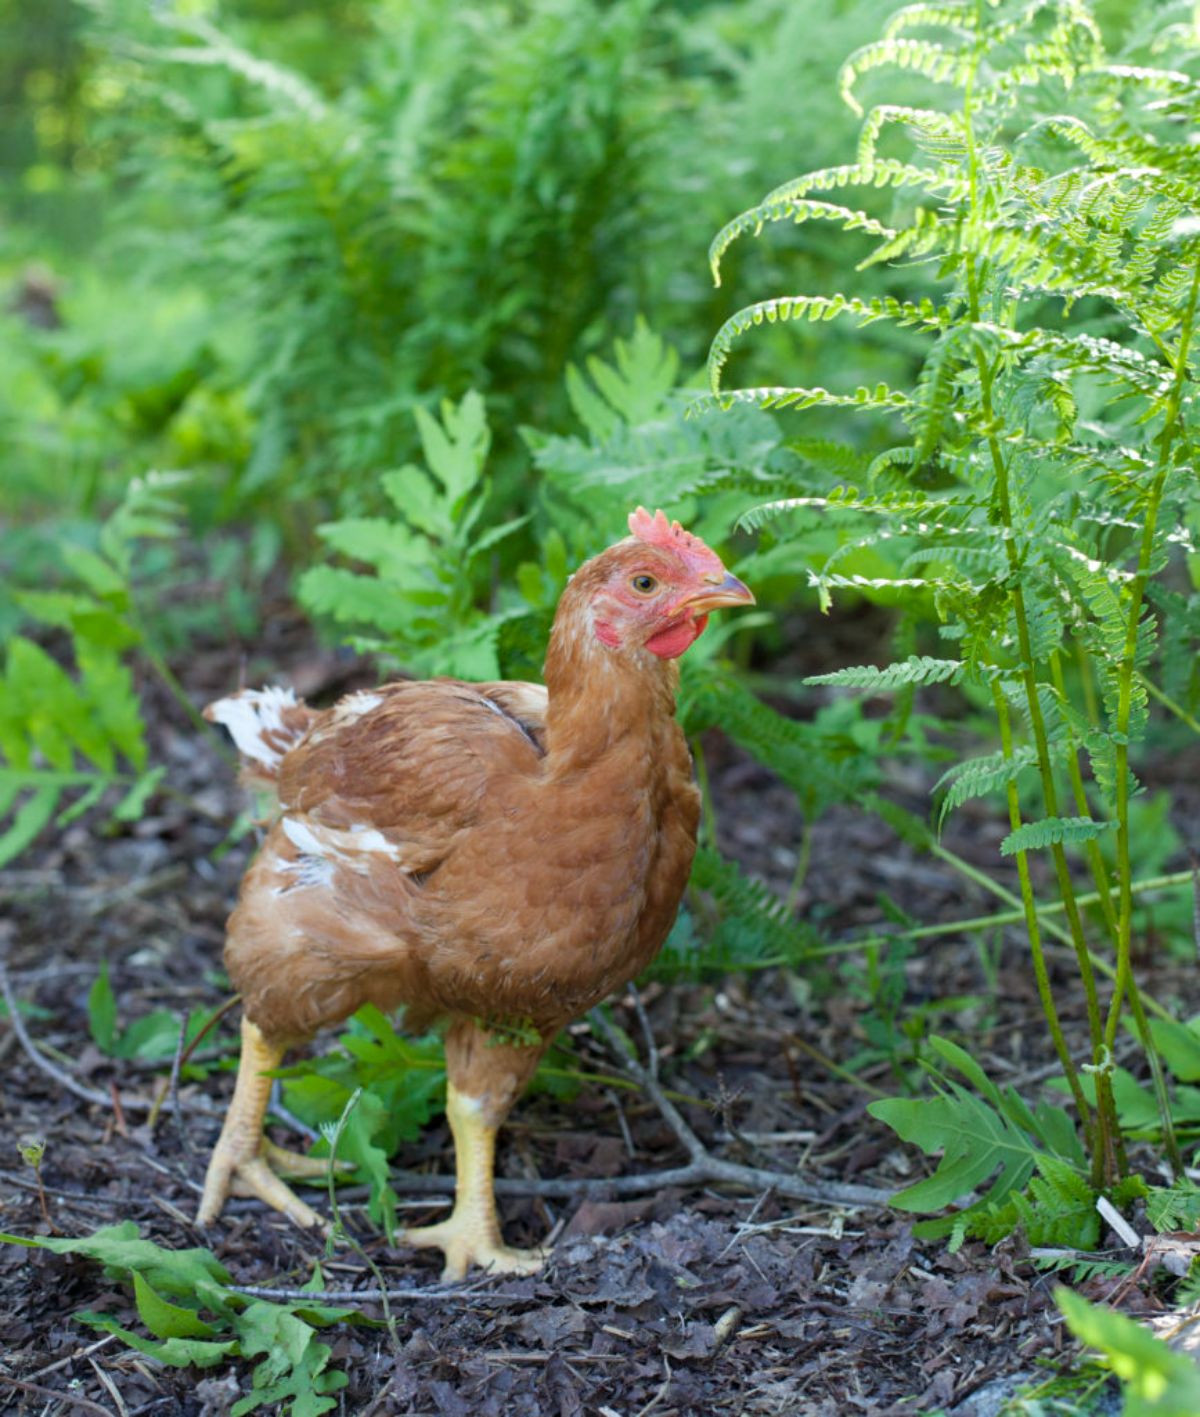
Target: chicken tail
265,725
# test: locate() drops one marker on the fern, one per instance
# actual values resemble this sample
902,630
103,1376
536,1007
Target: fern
747,926
421,603
69,739
1033,173
917,669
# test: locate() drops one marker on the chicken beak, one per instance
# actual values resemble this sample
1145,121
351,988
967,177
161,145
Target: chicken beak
721,593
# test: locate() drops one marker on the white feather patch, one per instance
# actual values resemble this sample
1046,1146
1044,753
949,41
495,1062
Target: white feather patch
324,848
249,716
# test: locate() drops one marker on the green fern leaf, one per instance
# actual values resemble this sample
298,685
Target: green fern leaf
1053,831
916,670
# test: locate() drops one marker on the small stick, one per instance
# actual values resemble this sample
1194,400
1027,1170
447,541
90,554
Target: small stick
626,1134
85,1404
64,1079
82,1353
472,1294
707,1169
118,1112
182,1056
38,1058
704,1166
647,1031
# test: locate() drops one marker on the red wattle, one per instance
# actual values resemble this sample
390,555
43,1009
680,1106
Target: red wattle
671,642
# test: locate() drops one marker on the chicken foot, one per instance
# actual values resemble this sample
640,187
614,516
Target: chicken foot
244,1162
471,1234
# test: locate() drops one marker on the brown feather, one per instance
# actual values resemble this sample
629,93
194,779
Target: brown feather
474,851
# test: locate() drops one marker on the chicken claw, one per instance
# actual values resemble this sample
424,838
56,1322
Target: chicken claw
244,1162
464,1243
471,1235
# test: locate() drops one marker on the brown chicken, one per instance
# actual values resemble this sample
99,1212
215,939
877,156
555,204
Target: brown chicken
481,854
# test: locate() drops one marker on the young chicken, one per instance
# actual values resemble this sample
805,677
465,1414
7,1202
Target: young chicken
478,853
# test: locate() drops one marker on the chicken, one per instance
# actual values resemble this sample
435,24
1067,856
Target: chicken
482,854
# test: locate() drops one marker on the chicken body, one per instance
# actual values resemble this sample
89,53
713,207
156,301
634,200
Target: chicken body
483,854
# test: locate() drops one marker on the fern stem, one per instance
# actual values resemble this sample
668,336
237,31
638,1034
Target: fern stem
708,810
1000,918
1033,929
802,862
1169,703
1127,672
1103,895
1091,705
1106,1124
1083,808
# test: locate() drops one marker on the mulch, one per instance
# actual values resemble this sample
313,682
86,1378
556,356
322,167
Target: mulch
698,1301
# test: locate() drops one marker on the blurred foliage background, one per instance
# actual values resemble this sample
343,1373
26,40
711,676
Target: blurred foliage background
247,240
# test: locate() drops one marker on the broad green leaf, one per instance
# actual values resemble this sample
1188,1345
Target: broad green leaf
180,1273
1179,1045
975,1142
175,1352
164,1319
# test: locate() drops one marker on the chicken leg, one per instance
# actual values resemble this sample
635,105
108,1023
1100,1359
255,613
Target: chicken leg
244,1162
471,1234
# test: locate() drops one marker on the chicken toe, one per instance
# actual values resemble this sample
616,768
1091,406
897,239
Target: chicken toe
471,1234
469,1239
243,1159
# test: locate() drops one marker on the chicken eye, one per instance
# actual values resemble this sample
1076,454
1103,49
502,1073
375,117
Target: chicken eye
643,584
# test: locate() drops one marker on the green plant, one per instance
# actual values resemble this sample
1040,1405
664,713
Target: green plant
1044,480
196,1319
1154,1378
422,600
399,1084
152,1037
84,734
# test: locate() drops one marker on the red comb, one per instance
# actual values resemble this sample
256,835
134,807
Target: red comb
656,530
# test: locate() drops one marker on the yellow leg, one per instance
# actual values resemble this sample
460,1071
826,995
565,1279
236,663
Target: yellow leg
471,1235
242,1160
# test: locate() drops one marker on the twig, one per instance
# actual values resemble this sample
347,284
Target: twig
469,1295
85,1404
185,1140
626,1134
82,1353
38,1058
183,1052
279,1111
63,1078
647,1031
705,1167
110,1387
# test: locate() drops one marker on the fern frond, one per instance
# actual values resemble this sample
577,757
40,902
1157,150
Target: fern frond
978,777
917,670
946,14
849,499
920,56
781,204
814,308
940,134
60,735
863,400
1053,831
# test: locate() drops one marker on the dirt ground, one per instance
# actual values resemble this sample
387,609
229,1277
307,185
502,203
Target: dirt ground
697,1300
